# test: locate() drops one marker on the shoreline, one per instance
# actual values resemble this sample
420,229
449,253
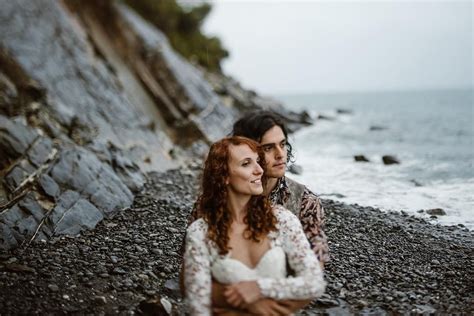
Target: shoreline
381,263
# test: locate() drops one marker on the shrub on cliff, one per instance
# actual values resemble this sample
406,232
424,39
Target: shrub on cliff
183,28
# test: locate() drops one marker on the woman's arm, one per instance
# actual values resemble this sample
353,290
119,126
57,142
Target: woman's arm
197,274
308,282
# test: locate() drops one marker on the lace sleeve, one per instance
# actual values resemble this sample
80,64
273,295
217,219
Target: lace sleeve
308,281
197,274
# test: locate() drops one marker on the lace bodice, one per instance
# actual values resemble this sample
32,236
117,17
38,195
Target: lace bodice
227,270
202,262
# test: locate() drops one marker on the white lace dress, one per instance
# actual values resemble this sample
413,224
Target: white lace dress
202,262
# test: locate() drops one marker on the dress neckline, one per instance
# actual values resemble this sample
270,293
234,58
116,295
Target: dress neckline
262,258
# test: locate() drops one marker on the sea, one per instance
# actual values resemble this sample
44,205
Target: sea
430,133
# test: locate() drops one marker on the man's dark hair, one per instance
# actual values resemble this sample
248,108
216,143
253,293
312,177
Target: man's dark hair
255,124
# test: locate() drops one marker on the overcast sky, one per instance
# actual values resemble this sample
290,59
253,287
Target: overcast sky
280,47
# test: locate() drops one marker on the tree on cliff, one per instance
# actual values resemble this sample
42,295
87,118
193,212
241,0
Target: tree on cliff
182,26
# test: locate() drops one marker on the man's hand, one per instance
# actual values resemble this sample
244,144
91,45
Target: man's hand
246,292
268,307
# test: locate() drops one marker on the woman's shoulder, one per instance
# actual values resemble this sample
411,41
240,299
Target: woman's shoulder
197,228
284,216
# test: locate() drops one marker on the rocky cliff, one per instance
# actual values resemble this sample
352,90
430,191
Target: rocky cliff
92,97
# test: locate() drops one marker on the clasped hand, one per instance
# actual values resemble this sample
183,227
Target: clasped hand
242,293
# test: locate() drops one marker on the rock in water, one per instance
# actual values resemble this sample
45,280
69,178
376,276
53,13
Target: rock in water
295,169
436,211
390,160
361,158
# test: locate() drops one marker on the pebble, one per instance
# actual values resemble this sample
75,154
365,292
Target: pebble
53,287
101,300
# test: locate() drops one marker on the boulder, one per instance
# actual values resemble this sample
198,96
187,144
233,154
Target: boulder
361,158
390,160
295,169
436,211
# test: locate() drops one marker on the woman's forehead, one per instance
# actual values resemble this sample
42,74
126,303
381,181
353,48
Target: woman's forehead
242,151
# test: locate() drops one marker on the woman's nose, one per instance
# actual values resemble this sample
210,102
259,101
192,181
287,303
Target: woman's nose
258,169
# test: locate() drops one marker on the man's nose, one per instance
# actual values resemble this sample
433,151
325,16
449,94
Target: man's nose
279,152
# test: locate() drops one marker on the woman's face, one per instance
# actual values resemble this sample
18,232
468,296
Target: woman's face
245,174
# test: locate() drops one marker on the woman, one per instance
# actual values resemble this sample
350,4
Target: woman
240,240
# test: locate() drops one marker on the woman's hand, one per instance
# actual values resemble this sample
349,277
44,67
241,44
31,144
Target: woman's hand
246,292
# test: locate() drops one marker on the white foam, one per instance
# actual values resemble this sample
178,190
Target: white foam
377,185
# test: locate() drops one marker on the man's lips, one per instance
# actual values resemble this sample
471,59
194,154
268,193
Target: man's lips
278,165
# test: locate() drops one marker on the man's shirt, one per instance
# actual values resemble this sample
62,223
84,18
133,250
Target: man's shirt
309,210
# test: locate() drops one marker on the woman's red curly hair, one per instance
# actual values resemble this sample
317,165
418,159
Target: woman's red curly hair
212,202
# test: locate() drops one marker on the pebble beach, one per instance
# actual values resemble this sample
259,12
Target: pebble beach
381,263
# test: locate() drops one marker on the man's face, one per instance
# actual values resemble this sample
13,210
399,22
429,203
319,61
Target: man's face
274,146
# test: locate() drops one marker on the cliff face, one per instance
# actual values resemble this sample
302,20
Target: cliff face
91,98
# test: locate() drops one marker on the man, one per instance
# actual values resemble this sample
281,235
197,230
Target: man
268,129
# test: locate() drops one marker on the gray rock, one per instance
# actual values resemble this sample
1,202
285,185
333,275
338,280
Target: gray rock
343,111
424,309
80,170
73,214
436,211
49,186
40,151
7,237
390,160
15,138
100,300
295,169
361,158
31,206
53,287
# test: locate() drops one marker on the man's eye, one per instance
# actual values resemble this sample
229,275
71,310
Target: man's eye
267,149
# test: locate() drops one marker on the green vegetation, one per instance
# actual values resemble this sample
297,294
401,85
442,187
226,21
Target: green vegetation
182,27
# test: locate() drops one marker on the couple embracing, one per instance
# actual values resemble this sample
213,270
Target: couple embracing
255,244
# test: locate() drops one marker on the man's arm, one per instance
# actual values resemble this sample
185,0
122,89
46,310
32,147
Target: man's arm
312,219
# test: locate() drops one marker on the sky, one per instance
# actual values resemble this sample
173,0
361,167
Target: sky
291,46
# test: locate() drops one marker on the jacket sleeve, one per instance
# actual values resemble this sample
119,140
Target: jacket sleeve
312,218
